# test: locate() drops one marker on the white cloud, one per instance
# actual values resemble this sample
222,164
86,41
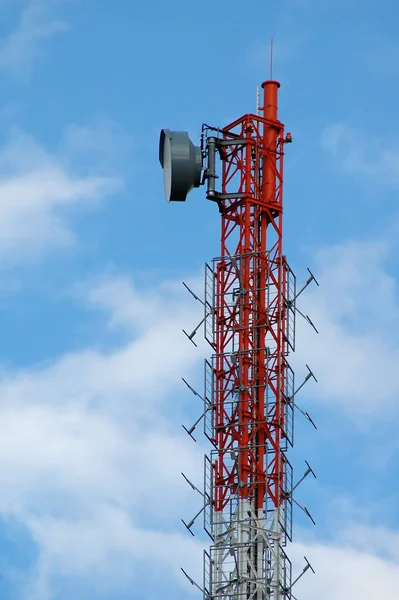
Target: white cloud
91,453
90,448
39,196
20,49
127,308
109,540
347,571
356,311
89,463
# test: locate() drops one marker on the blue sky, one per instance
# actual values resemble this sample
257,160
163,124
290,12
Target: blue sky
91,302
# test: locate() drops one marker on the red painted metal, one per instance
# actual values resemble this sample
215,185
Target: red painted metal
250,314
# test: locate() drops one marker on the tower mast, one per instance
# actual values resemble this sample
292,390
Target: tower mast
249,321
251,419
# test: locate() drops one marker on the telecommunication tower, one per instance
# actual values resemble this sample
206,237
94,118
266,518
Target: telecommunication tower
249,321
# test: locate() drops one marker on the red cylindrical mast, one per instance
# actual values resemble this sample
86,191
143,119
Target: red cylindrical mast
270,112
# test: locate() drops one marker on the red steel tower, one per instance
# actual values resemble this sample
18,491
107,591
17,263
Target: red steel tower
249,398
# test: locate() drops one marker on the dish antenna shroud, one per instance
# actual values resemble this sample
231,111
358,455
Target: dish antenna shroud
181,161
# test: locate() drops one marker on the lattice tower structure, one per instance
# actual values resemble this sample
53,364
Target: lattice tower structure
249,384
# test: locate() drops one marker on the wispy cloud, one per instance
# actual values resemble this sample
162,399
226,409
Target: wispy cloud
21,48
353,153
38,190
102,146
